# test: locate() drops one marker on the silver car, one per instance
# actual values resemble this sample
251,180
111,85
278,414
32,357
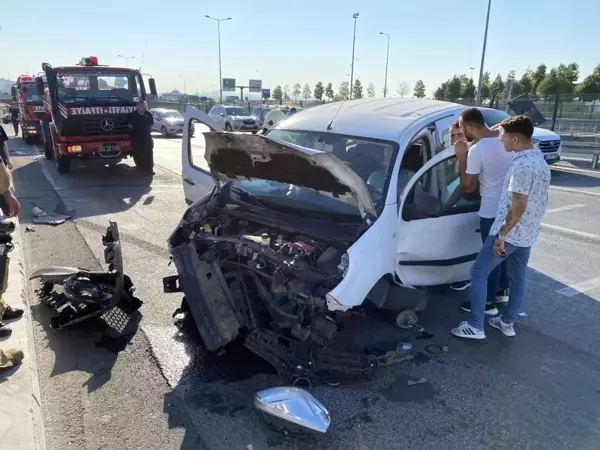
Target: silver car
168,121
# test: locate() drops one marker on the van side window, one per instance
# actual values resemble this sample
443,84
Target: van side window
415,157
439,186
446,137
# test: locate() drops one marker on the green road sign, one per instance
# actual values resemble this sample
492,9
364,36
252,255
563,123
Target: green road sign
229,84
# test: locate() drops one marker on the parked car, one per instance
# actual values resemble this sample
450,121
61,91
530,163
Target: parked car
168,121
546,140
6,118
234,118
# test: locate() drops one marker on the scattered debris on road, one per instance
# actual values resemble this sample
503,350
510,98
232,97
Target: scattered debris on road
414,383
291,409
41,216
30,228
87,294
522,314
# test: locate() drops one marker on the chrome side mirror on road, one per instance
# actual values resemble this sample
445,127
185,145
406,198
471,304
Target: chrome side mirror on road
293,409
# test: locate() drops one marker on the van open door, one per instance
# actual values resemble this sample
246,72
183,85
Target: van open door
438,228
197,180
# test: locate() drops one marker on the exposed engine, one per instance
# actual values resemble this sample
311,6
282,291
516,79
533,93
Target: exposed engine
277,280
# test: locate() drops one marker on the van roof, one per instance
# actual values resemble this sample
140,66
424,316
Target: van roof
385,118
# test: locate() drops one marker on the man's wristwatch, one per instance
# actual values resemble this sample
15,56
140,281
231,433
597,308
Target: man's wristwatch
500,238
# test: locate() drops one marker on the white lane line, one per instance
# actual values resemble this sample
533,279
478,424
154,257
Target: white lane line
580,288
582,234
564,208
575,191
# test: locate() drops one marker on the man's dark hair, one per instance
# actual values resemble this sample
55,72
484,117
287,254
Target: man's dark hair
455,124
519,125
473,116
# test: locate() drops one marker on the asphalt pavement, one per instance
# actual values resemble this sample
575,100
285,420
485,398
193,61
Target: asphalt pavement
153,389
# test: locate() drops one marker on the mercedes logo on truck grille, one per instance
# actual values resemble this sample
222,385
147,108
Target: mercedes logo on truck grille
107,124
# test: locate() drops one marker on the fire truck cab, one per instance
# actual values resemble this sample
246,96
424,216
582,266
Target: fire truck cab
29,103
88,106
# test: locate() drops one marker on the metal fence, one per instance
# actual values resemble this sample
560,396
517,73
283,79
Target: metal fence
207,105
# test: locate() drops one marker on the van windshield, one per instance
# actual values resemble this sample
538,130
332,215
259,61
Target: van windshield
372,160
493,116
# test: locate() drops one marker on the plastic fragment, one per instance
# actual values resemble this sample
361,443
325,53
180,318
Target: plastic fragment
414,383
522,314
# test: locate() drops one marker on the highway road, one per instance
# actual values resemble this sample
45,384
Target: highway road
153,389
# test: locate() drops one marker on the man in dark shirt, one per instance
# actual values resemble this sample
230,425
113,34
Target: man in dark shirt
141,122
14,117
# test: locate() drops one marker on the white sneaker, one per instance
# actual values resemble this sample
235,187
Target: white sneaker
464,330
506,328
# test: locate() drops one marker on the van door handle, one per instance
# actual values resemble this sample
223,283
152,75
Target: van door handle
188,181
477,231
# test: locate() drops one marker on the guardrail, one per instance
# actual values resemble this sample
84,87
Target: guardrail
582,145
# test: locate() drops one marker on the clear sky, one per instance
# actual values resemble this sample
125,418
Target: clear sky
305,42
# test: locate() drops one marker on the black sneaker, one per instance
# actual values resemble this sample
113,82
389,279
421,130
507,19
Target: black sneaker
11,313
502,296
4,331
490,308
460,286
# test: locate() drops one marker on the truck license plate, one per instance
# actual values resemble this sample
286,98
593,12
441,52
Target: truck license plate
109,150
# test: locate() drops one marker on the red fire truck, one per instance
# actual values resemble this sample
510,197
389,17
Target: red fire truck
31,109
88,106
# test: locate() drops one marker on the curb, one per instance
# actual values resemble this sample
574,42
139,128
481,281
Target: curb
18,276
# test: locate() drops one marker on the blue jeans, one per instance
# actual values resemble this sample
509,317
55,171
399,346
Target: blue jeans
486,262
498,278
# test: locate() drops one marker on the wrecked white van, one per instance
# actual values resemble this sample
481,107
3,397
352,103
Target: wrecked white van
336,206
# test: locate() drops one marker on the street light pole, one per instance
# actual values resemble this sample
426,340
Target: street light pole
480,84
219,34
387,59
126,58
472,69
354,16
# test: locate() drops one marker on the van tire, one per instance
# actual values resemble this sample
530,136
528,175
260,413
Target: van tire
63,164
227,127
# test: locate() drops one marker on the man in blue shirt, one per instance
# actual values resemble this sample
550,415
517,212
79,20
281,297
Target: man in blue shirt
141,122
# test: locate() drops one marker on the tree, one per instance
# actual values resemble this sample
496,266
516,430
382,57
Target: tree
296,91
440,93
453,89
538,76
469,89
419,89
286,96
286,91
278,93
357,91
496,90
526,82
403,89
485,85
319,90
343,91
516,88
371,90
306,92
591,83
560,80
329,91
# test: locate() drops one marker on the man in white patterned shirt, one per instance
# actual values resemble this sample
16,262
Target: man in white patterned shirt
515,230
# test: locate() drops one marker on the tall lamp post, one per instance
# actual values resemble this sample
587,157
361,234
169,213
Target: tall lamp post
126,58
387,60
354,16
480,84
219,33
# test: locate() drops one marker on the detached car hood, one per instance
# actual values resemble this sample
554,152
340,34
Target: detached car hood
233,156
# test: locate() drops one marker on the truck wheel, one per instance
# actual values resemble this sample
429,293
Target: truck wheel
63,164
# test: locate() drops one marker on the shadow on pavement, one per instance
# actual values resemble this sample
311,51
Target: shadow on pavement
550,370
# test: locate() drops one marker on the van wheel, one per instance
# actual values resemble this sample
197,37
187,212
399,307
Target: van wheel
63,164
227,127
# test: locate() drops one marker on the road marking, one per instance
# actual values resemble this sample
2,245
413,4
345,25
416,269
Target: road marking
575,191
582,234
564,208
580,288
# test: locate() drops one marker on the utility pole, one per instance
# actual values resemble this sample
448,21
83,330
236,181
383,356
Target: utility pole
472,69
219,34
480,84
387,60
354,16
